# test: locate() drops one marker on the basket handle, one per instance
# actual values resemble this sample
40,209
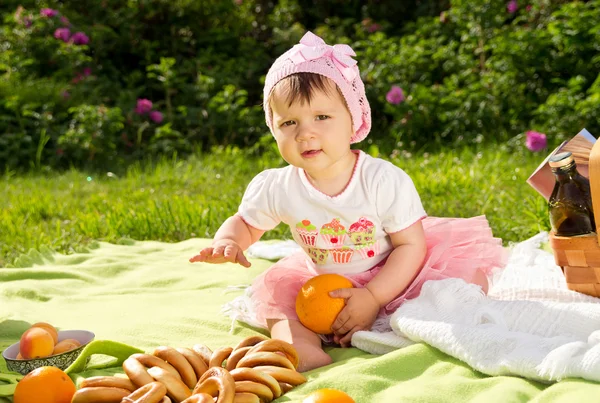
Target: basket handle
594,174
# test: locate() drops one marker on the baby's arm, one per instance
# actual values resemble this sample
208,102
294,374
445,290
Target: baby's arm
402,266
400,269
231,240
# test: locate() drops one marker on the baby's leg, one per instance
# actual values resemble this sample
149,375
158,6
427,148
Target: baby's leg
306,342
481,280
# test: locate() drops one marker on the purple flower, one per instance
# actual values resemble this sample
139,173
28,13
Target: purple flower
27,21
395,95
156,116
512,6
535,141
79,38
143,106
63,34
65,20
48,12
87,71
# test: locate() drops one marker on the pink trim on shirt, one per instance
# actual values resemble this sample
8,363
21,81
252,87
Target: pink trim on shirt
414,222
358,155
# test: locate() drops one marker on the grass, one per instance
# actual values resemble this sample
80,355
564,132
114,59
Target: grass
173,200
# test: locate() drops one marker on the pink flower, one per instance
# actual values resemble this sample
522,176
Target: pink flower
79,38
87,71
395,95
63,34
156,116
535,141
528,8
143,106
27,21
48,12
512,6
65,20
374,28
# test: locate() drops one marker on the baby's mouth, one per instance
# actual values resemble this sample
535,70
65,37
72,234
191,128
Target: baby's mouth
311,153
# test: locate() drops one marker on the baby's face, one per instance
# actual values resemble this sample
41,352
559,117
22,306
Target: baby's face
315,136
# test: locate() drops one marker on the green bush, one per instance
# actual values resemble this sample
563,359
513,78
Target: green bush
470,71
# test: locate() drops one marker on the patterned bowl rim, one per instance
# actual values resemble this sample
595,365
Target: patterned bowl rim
83,336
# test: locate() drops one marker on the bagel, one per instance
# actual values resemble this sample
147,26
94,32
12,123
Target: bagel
285,375
265,358
179,362
176,389
251,374
236,356
108,381
154,392
217,382
250,341
136,372
273,346
218,356
100,394
197,363
203,352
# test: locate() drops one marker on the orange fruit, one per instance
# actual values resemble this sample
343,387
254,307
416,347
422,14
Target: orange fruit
45,385
65,345
315,308
36,342
49,328
328,396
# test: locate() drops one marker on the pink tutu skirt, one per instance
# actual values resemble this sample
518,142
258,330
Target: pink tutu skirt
456,248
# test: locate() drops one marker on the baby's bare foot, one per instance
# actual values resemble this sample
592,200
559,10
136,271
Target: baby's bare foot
311,357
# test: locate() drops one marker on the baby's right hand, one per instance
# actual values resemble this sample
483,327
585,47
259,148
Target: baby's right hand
221,252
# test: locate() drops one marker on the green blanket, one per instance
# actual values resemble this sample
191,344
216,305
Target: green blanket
146,294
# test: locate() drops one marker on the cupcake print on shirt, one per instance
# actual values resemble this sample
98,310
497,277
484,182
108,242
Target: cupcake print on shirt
307,232
318,255
362,232
333,233
342,255
369,250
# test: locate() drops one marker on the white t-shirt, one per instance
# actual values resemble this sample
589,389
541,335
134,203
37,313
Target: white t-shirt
347,233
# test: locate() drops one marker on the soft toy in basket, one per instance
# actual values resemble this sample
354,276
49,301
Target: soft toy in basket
579,255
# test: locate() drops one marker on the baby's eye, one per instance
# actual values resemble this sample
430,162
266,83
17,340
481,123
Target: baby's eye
288,123
322,117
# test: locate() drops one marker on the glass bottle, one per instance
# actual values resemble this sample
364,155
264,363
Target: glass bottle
570,204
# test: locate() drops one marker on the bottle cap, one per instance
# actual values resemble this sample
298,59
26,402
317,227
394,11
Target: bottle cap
561,159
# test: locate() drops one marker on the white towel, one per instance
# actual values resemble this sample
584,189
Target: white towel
529,325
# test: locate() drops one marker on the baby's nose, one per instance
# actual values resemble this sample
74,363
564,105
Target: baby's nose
305,132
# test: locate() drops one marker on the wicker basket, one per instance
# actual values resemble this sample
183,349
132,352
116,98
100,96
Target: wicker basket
579,256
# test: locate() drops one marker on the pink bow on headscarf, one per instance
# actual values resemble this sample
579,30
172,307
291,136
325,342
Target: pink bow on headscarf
312,47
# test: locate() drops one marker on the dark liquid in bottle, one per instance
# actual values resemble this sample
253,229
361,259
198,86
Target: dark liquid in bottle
570,205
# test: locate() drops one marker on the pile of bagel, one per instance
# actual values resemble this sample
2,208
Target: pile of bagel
257,370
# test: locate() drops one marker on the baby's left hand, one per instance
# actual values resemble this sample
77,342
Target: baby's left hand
359,313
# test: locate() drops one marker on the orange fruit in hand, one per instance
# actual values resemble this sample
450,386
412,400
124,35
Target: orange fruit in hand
315,308
328,396
45,385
